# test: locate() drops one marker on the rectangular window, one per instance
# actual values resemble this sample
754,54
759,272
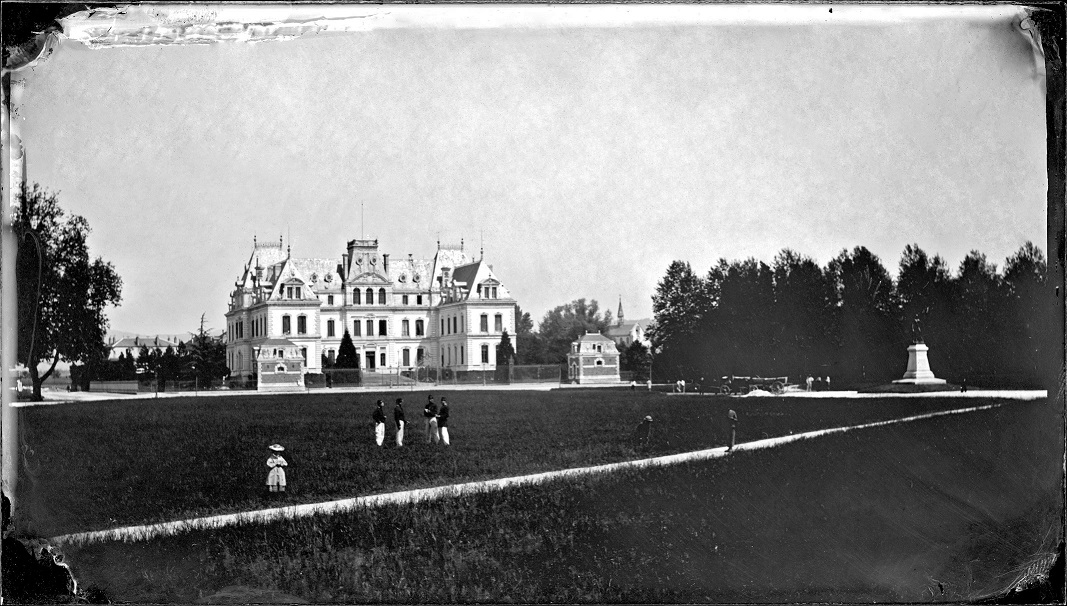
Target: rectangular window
329,328
370,328
494,292
302,325
329,299
355,297
405,330
285,325
357,329
404,299
485,323
442,326
419,355
381,299
382,358
498,323
418,328
407,357
418,299
383,328
485,354
462,358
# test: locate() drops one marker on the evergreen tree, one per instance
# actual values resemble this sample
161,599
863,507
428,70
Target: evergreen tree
346,353
505,353
636,359
680,303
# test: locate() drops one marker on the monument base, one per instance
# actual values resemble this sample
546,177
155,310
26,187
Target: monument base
919,372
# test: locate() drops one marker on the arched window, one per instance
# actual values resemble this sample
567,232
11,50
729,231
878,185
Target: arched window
302,325
355,297
370,296
485,323
418,328
381,296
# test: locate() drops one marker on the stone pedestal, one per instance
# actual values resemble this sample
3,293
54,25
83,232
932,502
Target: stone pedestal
919,372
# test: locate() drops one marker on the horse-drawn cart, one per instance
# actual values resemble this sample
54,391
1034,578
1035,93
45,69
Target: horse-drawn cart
743,385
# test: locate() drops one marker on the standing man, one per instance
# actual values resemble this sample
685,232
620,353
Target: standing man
379,423
398,418
649,383
827,382
633,385
430,412
442,420
732,417
809,382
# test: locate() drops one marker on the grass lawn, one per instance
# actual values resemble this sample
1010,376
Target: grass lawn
92,466
945,509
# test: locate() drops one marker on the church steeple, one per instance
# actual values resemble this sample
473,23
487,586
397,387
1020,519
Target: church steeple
620,315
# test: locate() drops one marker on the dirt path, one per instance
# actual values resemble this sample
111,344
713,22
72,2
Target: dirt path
145,532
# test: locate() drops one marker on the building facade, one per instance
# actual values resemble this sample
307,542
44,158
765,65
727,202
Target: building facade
625,333
446,312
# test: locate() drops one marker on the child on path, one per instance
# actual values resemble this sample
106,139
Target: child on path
379,423
398,418
430,412
276,477
442,420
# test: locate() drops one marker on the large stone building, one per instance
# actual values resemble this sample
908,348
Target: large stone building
444,312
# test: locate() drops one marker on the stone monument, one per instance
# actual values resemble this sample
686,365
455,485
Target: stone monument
919,372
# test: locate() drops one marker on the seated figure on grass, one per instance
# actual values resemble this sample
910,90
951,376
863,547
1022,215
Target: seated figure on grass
642,434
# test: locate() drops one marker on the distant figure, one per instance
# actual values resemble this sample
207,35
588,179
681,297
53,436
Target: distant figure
649,383
398,418
818,384
329,380
379,423
642,434
276,477
18,385
809,381
430,413
963,388
700,386
732,417
442,421
633,385
827,382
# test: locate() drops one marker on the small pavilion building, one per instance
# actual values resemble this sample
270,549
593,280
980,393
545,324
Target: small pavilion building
593,359
280,365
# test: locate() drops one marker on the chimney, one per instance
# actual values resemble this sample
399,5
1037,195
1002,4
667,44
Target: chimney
385,263
344,264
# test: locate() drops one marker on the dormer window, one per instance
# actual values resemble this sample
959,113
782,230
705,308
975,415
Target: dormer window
493,293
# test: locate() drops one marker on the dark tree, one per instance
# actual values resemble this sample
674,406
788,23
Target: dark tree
1026,311
62,293
564,324
205,357
505,353
679,305
531,348
637,359
868,328
803,315
346,353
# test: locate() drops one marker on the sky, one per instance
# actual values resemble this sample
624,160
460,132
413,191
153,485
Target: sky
584,157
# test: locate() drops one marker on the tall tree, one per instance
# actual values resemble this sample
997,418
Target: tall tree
505,353
924,290
1026,309
206,358
803,316
867,327
346,353
564,324
636,359
531,348
62,293
679,305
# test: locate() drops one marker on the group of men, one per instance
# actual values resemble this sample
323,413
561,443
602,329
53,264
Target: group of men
436,421
817,384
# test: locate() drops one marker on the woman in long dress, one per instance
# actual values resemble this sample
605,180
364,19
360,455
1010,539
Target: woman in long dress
276,477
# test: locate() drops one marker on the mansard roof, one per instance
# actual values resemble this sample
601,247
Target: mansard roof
594,337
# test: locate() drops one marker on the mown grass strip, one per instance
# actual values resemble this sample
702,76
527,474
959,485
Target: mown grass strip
149,531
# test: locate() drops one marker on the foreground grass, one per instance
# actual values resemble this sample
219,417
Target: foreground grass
937,510
101,465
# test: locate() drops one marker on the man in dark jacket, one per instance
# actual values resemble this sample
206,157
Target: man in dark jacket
430,413
732,417
379,423
398,418
442,420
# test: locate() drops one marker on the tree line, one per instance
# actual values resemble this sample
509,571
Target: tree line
852,320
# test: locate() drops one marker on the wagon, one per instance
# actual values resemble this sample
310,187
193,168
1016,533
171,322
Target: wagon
742,385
